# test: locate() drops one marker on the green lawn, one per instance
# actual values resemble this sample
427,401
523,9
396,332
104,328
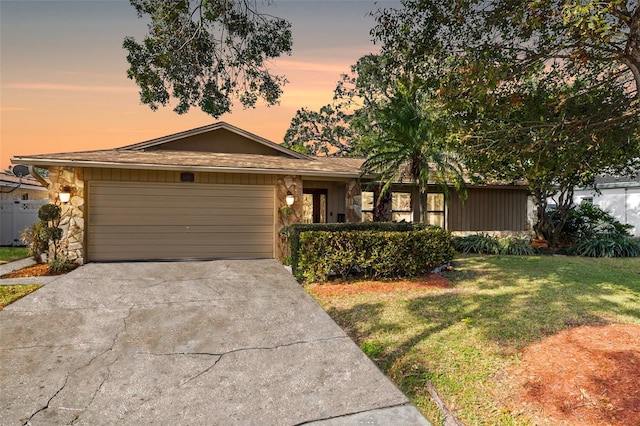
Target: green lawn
9,254
11,293
463,338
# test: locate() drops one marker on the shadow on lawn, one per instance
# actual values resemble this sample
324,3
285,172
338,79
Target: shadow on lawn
510,300
497,305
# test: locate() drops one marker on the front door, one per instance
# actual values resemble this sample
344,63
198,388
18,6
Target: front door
314,205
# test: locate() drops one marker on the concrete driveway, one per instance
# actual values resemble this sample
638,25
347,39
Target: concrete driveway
207,343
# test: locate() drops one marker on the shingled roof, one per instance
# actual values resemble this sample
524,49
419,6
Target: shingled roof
198,161
144,155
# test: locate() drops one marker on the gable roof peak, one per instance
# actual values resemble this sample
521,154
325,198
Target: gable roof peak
141,146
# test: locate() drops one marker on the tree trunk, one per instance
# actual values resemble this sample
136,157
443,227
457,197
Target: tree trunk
546,228
423,204
632,51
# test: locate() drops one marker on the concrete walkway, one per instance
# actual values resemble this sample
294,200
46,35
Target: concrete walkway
211,343
5,268
19,264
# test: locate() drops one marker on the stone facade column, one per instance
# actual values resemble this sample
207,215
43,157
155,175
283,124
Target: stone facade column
287,215
354,202
73,212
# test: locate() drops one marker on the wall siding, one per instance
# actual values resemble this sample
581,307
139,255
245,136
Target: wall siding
489,209
170,176
336,197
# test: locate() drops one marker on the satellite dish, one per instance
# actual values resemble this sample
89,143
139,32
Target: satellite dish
20,170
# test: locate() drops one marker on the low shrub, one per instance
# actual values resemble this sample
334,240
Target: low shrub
61,265
586,221
477,243
610,244
292,233
372,254
36,239
518,246
487,244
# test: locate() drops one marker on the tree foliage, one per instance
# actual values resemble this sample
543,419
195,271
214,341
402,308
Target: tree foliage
332,130
325,132
407,140
549,135
539,90
391,118
206,53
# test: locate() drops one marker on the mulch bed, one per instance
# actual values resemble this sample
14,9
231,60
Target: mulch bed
339,288
40,270
586,376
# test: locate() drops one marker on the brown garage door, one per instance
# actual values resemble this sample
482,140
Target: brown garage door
143,221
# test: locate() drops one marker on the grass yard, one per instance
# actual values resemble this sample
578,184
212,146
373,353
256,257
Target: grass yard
11,293
9,254
469,337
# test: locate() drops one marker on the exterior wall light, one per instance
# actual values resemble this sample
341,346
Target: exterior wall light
289,199
65,195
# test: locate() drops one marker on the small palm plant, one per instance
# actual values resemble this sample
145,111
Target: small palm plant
407,139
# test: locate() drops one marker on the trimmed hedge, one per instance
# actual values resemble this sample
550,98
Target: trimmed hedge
292,233
373,254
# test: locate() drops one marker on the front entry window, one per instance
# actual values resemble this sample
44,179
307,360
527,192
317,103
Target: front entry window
314,206
435,209
401,207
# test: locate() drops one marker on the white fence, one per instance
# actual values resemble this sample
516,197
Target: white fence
15,215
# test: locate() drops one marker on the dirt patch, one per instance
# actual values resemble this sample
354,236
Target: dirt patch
422,283
40,270
586,375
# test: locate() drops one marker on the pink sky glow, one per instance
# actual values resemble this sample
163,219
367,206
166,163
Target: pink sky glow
63,82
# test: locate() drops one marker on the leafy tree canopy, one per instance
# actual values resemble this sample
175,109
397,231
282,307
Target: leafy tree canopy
205,53
543,91
325,132
492,41
407,139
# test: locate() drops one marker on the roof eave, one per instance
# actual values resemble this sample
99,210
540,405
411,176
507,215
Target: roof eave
176,167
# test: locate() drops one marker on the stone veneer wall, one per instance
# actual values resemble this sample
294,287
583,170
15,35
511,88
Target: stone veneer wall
73,212
354,202
287,216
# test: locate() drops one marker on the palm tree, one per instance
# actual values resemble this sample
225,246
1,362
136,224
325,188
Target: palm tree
407,138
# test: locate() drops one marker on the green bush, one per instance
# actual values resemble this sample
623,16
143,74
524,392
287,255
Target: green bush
593,232
518,246
50,215
477,243
292,233
49,212
61,265
586,221
610,244
487,244
36,239
372,254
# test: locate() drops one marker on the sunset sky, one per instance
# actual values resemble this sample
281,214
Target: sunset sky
63,73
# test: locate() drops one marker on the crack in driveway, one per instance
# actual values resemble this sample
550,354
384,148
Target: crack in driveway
222,354
91,361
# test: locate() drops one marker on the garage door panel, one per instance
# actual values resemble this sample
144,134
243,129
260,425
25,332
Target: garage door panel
205,238
155,253
170,220
138,214
122,230
151,202
145,221
129,191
